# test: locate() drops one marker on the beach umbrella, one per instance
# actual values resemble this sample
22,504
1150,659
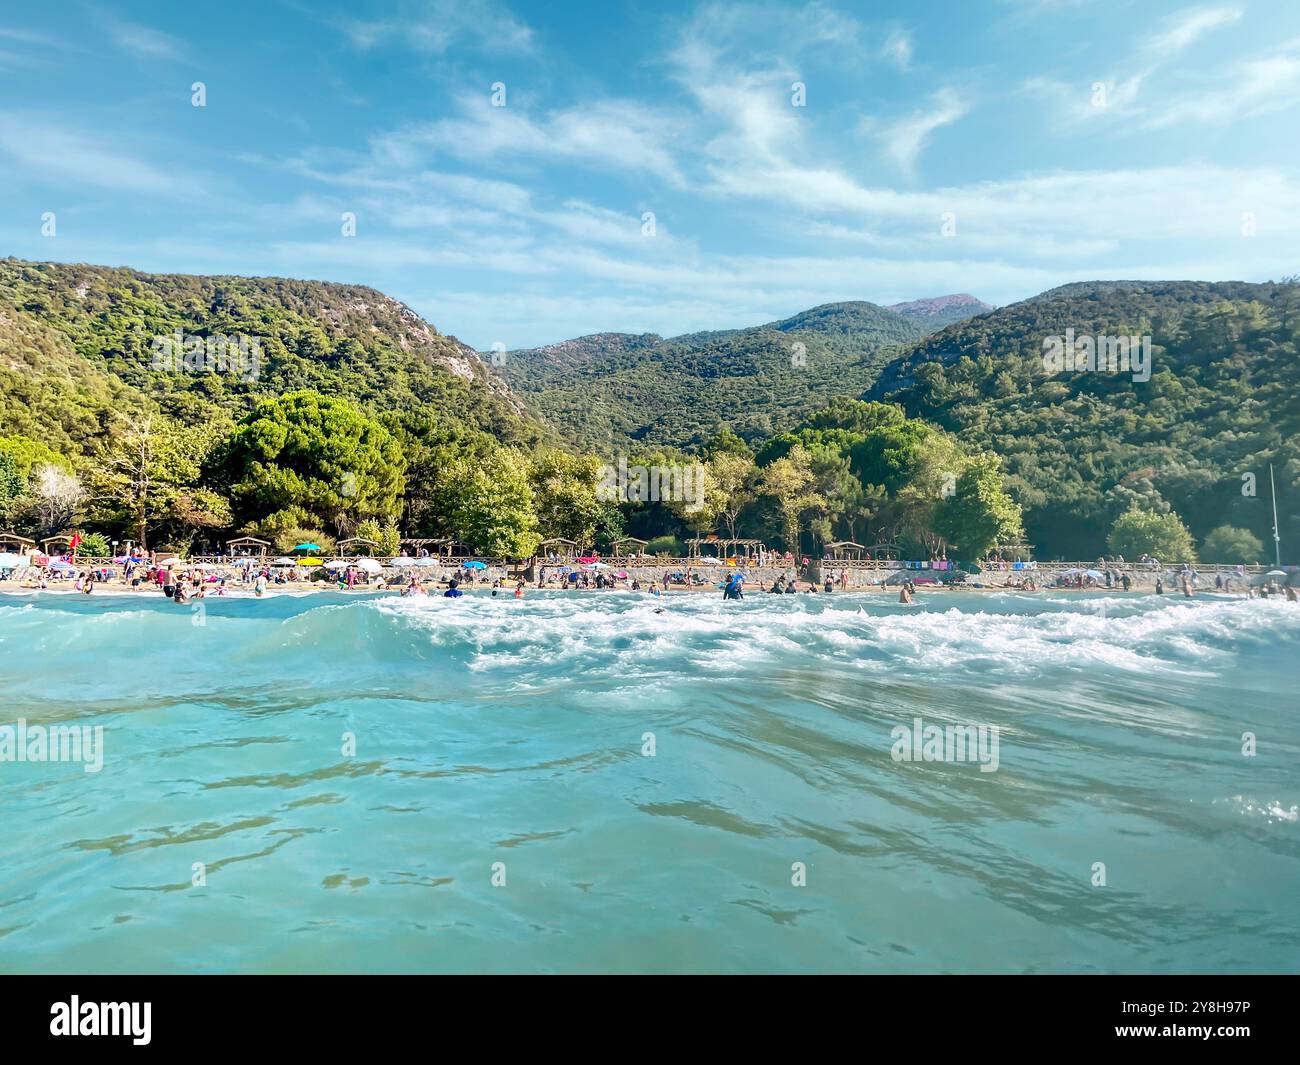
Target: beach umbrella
710,561
1271,575
426,563
9,560
337,563
284,562
476,565
368,565
60,565
589,559
402,560
307,547
309,562
598,565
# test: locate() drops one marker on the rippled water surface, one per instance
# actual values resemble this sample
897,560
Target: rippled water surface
494,731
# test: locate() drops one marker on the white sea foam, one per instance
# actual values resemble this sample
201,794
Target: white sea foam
614,632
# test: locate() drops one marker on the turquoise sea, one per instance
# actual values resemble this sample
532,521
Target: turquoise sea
706,789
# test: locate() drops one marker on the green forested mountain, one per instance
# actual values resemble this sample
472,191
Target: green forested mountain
1079,448
611,391
77,350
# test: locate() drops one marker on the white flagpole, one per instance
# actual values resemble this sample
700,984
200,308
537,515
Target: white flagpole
1277,540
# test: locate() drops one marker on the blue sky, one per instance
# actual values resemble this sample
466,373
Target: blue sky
1060,140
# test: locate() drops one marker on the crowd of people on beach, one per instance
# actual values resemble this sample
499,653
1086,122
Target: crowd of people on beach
183,581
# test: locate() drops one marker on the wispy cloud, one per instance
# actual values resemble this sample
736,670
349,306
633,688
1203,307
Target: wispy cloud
898,49
144,42
436,26
906,137
1252,87
43,151
1182,29
606,134
1152,93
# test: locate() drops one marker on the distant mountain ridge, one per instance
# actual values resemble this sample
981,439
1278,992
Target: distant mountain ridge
939,311
610,391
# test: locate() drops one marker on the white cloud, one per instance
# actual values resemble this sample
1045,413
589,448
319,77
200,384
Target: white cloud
905,138
436,26
1080,101
1253,87
1185,27
611,134
1153,96
759,32
48,153
898,49
144,42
